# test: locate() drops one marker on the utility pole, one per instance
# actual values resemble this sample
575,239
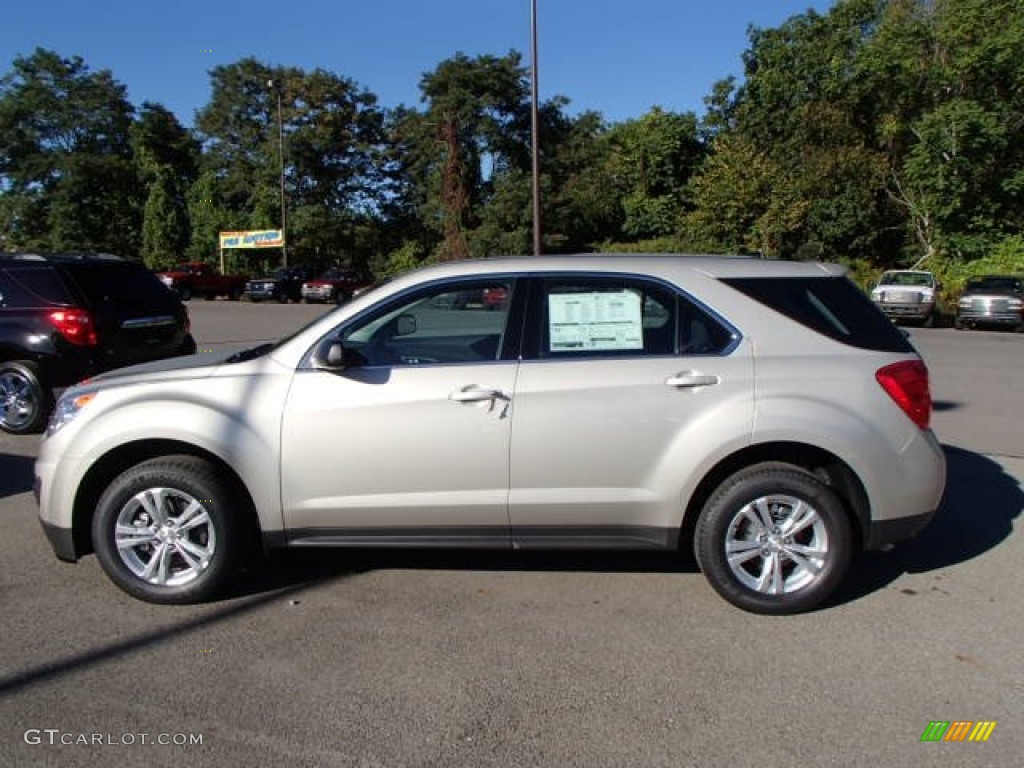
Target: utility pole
276,86
534,122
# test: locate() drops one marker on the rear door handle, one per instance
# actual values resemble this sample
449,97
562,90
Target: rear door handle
691,380
475,394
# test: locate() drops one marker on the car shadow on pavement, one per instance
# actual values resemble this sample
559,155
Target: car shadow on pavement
981,502
15,474
286,568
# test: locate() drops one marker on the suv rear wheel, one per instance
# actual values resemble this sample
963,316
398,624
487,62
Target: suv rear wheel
168,531
24,402
773,539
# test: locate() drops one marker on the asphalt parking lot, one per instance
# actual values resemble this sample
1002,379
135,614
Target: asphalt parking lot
449,659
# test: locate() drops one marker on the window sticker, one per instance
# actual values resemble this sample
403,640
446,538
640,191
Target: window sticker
595,321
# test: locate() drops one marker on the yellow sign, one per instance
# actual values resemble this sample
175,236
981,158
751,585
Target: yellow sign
257,238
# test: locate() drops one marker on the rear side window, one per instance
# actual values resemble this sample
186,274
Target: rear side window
581,316
32,287
119,284
832,306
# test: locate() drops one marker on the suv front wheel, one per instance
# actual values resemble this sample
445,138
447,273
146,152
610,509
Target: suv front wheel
167,531
773,539
24,402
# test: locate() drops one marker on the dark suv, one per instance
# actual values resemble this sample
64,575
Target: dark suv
284,284
992,300
66,317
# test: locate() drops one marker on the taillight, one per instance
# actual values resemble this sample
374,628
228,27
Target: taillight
75,325
907,384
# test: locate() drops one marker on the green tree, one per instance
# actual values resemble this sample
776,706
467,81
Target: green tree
651,161
67,181
333,153
165,225
166,160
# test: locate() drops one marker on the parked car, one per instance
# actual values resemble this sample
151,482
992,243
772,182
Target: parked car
200,279
992,300
908,294
764,412
336,285
284,284
65,317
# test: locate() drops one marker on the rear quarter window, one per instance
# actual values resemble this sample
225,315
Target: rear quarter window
119,284
33,287
832,306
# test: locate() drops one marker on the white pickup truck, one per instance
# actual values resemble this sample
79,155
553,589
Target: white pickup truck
908,294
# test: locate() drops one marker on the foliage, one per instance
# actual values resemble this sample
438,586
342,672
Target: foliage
405,259
66,173
881,133
332,136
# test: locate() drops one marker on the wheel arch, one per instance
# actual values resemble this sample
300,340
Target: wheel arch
826,466
125,456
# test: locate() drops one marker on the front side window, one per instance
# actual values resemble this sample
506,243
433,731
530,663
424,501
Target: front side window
458,323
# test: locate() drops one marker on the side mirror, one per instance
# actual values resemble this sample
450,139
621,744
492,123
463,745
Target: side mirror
332,356
405,325
402,325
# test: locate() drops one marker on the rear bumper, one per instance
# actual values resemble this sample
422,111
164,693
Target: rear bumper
882,533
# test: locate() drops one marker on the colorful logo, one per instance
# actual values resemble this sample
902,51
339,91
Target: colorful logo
958,730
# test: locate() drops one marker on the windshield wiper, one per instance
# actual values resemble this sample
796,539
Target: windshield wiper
249,354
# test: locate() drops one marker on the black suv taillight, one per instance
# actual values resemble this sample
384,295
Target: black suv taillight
907,384
75,325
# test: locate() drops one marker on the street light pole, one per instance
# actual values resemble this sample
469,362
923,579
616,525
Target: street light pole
534,121
280,152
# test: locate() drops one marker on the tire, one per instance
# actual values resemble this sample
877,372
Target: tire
234,294
340,297
763,576
931,320
182,560
185,293
25,402
958,324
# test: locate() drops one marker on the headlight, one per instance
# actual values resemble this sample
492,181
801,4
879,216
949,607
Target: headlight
67,408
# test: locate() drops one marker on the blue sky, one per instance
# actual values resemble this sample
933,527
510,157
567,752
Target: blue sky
618,57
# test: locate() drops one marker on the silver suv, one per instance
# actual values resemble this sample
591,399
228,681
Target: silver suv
764,412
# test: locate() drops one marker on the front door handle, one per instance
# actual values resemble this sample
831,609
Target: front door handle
691,380
475,394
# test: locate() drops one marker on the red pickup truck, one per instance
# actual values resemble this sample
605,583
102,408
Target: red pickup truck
199,279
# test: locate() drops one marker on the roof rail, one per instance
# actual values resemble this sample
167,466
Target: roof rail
34,256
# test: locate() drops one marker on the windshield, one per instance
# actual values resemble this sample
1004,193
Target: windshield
907,278
995,285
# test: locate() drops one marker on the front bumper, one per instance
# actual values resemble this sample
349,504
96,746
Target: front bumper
907,311
62,540
260,293
971,317
318,294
